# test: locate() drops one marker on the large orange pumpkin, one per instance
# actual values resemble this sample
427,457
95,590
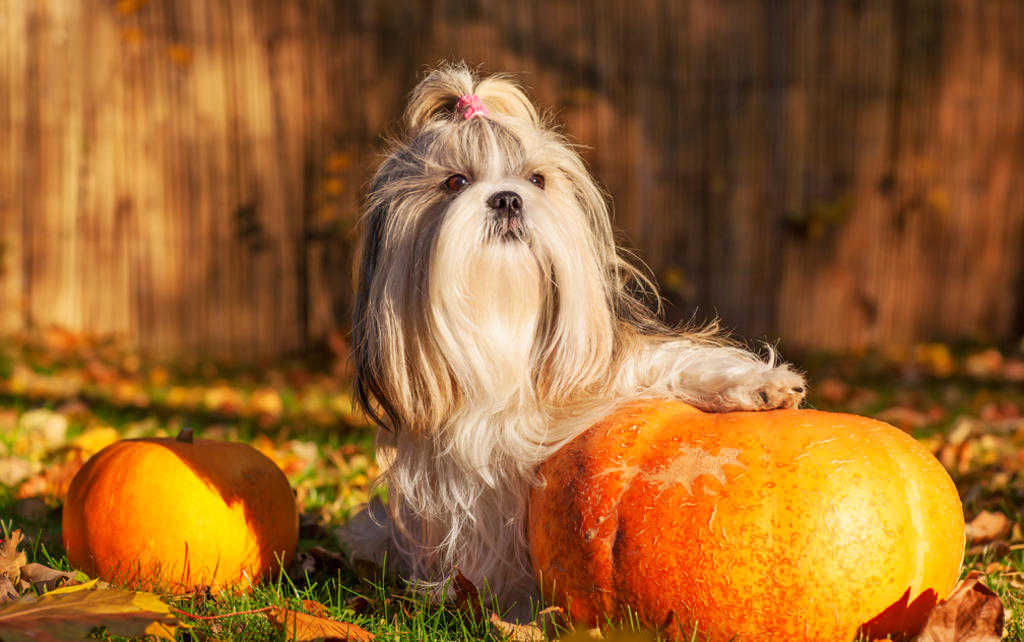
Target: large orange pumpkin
176,514
788,524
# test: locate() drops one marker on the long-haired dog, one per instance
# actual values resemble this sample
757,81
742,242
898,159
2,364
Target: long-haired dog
495,320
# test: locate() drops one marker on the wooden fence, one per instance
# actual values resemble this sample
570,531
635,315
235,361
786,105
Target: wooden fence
843,173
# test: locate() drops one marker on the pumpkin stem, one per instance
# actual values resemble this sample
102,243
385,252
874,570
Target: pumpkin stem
186,436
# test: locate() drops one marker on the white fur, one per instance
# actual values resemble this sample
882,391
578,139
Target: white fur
482,354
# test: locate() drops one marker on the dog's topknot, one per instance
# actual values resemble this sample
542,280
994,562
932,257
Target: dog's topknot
438,94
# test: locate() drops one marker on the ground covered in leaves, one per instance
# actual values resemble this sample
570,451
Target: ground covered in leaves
64,397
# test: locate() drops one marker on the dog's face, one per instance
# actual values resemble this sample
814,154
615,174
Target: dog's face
488,267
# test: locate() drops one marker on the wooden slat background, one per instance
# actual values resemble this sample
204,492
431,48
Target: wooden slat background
187,173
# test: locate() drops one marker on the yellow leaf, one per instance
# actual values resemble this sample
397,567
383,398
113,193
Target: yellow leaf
72,612
95,439
266,401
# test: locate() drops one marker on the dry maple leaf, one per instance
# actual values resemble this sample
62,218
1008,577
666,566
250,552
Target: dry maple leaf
511,632
972,613
71,613
302,627
11,559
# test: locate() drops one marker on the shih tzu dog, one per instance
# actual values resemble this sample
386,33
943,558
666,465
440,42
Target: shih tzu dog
495,320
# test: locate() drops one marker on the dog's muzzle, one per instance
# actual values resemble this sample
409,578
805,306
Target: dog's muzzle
507,209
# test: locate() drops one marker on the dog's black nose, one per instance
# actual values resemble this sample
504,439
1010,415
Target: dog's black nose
508,204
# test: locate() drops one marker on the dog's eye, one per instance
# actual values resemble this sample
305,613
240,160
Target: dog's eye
538,180
456,182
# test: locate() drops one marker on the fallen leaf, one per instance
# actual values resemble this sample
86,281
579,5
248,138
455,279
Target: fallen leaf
315,608
52,481
553,620
972,613
8,417
11,559
223,399
467,597
549,624
95,439
985,364
292,457
301,627
936,358
529,632
15,469
988,527
40,430
74,409
266,402
71,613
1013,370
7,591
995,550
43,578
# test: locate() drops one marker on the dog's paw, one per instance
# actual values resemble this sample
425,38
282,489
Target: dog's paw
365,535
779,387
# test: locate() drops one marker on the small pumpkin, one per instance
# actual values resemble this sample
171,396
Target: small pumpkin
786,524
176,514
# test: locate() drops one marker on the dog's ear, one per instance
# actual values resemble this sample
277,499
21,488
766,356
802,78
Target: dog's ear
438,95
397,382
368,383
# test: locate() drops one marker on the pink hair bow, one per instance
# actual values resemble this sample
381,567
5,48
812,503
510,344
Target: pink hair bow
471,105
